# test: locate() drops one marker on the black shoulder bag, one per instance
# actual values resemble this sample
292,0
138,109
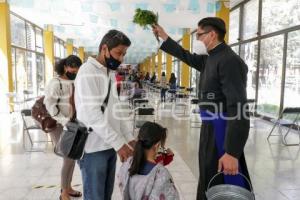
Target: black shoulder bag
74,136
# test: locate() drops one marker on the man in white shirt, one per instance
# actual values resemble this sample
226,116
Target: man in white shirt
96,99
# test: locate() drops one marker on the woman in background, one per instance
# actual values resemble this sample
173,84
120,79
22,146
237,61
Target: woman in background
59,103
163,85
172,82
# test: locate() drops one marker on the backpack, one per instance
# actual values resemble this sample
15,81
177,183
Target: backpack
41,115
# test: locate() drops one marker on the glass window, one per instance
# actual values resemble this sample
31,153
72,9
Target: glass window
62,49
250,20
75,52
31,71
56,48
193,79
249,55
292,79
30,37
178,67
173,64
13,55
39,40
234,26
176,70
40,69
194,48
164,59
192,40
18,36
278,15
164,67
270,75
21,75
236,49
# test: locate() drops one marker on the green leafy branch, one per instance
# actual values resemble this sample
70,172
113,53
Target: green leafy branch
145,18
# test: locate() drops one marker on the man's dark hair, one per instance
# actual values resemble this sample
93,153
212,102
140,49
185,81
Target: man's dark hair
114,38
214,23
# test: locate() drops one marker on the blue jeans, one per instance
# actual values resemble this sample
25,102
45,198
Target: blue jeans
98,174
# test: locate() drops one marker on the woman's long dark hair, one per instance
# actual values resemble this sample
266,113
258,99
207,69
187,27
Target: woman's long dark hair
150,134
71,61
172,78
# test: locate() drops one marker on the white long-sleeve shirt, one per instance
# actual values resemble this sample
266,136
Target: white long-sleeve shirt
53,92
111,129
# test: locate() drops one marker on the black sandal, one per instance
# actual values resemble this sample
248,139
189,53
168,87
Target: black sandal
76,194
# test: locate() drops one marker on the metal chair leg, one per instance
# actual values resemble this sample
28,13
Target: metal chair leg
286,134
29,137
285,143
270,134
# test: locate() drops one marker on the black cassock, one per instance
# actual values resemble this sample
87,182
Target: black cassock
222,92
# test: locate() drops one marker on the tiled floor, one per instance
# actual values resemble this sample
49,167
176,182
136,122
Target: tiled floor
274,168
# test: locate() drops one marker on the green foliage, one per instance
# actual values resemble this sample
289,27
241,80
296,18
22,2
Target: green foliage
268,108
145,18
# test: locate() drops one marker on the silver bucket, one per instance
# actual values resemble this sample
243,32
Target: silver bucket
229,192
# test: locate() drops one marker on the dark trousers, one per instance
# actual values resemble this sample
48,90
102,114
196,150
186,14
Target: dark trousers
163,94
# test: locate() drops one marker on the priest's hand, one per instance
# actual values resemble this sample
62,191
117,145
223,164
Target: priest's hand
229,165
160,32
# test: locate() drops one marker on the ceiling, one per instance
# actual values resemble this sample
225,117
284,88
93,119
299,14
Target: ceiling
86,21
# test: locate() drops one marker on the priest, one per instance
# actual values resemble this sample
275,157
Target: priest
223,108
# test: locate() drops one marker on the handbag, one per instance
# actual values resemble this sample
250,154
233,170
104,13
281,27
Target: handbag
74,136
41,115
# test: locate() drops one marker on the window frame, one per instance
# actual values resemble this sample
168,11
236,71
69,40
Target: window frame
259,38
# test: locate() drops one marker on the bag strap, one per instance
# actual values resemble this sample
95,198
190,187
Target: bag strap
104,105
58,100
72,102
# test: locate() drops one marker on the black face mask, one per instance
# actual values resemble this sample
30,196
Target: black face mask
70,75
112,63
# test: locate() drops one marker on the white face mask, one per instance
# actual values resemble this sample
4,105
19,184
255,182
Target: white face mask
199,48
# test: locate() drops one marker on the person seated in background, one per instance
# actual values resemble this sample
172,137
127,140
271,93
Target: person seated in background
153,78
147,77
119,79
141,176
136,91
